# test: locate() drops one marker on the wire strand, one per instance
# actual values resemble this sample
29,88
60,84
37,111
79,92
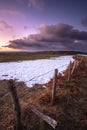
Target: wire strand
46,73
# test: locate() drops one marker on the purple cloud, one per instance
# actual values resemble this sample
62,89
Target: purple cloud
59,36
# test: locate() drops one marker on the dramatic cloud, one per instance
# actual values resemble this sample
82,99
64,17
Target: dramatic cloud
84,22
4,25
53,37
63,31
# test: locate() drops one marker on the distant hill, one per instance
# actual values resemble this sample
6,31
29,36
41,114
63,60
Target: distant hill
47,52
20,56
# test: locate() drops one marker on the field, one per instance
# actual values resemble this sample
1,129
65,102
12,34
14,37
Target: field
9,57
69,109
26,56
33,71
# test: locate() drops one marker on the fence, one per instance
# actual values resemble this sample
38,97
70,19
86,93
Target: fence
34,78
53,123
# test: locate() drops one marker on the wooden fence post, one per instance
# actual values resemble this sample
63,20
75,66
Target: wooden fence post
47,119
54,86
17,109
77,63
69,72
73,68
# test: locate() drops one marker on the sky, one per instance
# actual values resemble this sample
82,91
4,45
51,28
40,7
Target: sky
43,25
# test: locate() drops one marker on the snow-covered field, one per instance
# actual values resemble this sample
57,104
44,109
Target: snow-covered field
33,71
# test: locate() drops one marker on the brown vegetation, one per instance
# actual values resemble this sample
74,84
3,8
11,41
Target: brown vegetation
10,57
69,110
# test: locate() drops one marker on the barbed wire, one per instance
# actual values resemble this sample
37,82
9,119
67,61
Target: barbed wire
32,79
62,66
40,75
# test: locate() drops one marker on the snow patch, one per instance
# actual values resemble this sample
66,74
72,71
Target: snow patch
34,71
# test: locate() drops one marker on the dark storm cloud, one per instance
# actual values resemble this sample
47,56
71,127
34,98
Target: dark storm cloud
53,37
26,44
62,31
84,22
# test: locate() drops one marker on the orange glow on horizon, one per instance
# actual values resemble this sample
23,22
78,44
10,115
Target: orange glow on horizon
5,49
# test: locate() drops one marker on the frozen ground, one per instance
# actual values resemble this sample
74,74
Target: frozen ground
33,71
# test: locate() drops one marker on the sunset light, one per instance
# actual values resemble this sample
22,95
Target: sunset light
43,25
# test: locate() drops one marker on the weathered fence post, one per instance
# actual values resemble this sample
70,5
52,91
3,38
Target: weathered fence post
54,86
17,109
69,72
53,123
77,63
73,68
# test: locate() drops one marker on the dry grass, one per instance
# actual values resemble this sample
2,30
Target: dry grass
70,108
7,117
9,57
